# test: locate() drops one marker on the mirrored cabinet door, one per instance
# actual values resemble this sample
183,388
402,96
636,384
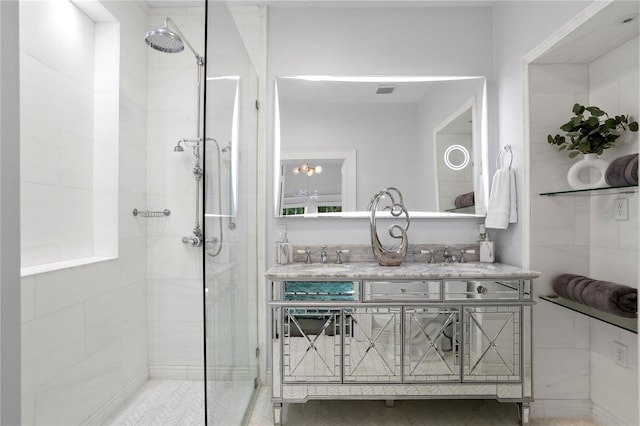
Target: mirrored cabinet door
431,344
311,345
492,343
373,347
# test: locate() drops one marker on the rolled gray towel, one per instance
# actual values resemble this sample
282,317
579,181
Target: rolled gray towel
615,174
465,200
606,296
631,171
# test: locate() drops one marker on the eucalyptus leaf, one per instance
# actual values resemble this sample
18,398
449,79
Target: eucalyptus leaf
592,134
578,109
593,121
595,111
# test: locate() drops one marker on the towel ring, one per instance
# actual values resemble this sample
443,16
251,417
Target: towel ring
507,148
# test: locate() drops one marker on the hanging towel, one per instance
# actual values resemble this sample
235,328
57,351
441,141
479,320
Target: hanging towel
481,206
502,208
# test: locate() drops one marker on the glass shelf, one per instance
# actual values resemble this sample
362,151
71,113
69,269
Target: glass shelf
629,324
630,189
467,209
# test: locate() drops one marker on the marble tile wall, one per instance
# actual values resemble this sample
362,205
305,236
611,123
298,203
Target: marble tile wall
84,328
173,269
574,369
613,245
559,238
57,103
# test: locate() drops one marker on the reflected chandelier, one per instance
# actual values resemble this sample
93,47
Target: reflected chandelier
306,168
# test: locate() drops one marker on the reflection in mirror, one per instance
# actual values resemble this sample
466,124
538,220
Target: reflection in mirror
316,181
221,155
454,161
392,125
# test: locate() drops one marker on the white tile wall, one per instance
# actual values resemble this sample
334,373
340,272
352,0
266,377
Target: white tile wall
173,269
614,244
84,328
59,109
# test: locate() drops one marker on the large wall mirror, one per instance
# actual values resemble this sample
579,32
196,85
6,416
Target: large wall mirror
339,140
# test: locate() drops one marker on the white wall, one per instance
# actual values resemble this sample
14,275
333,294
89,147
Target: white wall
519,26
9,216
84,330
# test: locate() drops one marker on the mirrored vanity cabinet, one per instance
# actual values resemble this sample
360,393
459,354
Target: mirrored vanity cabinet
416,331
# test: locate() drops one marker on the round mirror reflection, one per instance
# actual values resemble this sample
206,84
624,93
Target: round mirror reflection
456,157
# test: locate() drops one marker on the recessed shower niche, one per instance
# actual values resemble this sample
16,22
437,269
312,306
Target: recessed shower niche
69,134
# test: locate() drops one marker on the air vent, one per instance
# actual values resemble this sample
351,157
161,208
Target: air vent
385,90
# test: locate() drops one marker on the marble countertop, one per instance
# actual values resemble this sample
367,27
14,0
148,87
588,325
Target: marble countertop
406,271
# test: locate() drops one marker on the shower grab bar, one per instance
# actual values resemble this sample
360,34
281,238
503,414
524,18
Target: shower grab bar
151,213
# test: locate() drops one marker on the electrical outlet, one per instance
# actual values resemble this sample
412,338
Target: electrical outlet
621,209
620,354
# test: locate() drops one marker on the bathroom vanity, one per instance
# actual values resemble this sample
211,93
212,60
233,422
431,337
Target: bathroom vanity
416,331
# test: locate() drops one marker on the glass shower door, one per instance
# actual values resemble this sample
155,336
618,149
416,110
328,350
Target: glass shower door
230,212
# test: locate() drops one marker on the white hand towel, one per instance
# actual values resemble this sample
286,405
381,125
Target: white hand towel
481,205
502,208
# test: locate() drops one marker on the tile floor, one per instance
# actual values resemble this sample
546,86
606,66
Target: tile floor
414,413
181,403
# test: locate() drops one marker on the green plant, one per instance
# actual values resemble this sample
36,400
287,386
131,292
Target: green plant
591,133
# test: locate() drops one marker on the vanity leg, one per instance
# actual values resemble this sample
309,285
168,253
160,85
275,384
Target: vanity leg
277,413
389,403
524,410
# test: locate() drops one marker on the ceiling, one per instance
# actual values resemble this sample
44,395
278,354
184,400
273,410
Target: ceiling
596,36
174,3
330,3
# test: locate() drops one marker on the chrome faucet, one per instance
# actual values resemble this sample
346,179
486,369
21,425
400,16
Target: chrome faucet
447,256
308,253
323,254
431,253
339,252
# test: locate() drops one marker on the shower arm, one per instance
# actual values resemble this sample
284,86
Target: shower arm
167,21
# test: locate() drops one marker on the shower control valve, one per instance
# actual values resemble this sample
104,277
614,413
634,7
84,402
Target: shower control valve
193,241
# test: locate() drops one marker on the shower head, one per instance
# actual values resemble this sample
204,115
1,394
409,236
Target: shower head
227,148
164,40
170,41
178,148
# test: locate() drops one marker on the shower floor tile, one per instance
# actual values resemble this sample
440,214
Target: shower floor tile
163,402
181,403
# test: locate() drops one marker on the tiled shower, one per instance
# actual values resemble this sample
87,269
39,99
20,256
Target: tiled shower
111,300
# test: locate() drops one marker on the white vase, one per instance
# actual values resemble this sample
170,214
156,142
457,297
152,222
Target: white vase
588,173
